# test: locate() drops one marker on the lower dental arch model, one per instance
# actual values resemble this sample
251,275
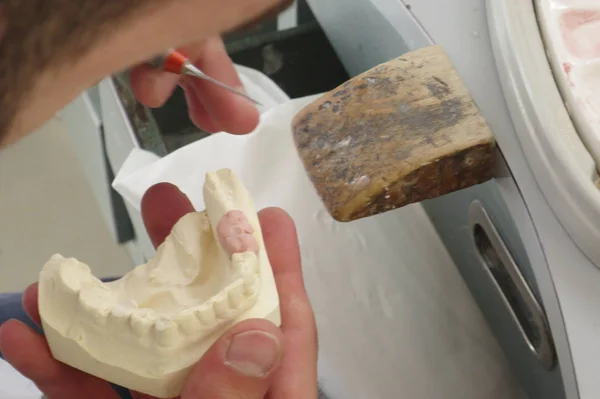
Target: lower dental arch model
146,330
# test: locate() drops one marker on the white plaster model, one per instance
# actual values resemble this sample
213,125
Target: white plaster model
146,330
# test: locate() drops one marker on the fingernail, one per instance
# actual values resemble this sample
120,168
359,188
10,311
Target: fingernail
253,353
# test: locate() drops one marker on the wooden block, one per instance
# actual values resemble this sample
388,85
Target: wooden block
405,131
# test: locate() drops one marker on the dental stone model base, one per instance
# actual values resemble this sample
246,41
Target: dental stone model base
146,330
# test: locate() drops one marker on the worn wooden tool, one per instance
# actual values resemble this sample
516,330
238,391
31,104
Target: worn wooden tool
404,131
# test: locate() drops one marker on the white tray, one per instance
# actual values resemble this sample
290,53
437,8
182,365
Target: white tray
571,31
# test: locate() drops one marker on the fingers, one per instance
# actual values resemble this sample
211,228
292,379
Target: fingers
30,303
30,355
196,110
298,370
151,86
240,365
211,108
232,113
162,206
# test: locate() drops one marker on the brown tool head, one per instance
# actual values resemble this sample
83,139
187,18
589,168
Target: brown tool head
404,131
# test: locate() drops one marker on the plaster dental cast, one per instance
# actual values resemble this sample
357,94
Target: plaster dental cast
146,330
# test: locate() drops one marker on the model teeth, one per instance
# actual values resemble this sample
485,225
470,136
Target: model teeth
97,301
188,321
166,332
247,265
141,321
206,314
221,305
250,286
73,275
236,294
119,316
100,305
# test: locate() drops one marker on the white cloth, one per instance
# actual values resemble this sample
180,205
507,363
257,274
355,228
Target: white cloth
14,386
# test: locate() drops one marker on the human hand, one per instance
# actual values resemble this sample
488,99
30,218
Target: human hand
290,373
65,48
210,107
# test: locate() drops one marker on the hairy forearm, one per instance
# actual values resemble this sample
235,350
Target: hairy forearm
51,50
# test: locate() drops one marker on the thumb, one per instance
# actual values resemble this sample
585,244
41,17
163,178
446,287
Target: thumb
240,365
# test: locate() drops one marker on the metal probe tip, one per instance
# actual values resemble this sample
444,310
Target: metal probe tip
191,70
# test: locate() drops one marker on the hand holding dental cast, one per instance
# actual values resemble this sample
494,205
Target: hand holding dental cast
146,330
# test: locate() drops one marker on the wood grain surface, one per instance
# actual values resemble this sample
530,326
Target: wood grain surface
404,131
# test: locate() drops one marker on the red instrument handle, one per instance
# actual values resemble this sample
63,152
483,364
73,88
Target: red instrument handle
174,62
171,61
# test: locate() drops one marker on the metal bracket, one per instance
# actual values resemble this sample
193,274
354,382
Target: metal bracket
502,269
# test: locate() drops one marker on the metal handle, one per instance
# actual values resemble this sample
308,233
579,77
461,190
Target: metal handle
523,306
